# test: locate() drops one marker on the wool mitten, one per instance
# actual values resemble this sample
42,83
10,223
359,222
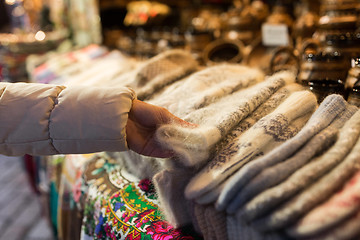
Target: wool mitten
194,145
202,222
316,193
159,71
283,123
205,87
324,115
226,148
326,216
308,174
349,229
277,173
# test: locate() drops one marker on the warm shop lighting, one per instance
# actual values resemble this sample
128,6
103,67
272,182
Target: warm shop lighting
40,35
10,2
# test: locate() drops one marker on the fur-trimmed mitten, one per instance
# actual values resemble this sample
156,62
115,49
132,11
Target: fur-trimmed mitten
195,145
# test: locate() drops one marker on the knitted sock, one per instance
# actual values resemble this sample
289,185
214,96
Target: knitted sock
159,71
339,207
313,195
308,174
283,123
324,115
226,148
349,229
193,145
169,185
205,87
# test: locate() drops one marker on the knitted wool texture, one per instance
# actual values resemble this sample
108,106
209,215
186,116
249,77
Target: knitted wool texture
226,148
324,217
349,229
159,71
283,123
194,145
205,87
314,194
304,176
279,172
324,115
213,223
169,185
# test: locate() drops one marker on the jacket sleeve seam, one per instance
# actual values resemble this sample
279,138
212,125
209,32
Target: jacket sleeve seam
56,102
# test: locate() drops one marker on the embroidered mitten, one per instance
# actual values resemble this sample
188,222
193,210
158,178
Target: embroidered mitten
194,145
304,176
326,216
324,115
206,86
283,123
226,148
313,195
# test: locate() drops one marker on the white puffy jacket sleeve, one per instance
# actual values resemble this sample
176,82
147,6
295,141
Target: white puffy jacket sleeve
42,119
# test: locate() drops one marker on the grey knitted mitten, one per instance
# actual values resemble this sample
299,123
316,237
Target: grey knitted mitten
268,199
331,107
326,216
313,195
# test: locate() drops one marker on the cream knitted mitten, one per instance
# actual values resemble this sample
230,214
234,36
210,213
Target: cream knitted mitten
313,195
283,123
205,87
159,71
226,148
194,145
302,178
324,115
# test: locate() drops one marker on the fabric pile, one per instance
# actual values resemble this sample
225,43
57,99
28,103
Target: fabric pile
263,160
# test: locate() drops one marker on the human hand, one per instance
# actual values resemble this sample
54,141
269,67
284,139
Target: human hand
144,119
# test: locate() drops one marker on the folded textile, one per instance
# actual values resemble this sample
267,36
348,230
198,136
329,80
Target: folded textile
349,229
213,223
272,130
313,195
309,173
205,87
194,145
323,116
239,229
226,148
326,216
169,185
159,71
